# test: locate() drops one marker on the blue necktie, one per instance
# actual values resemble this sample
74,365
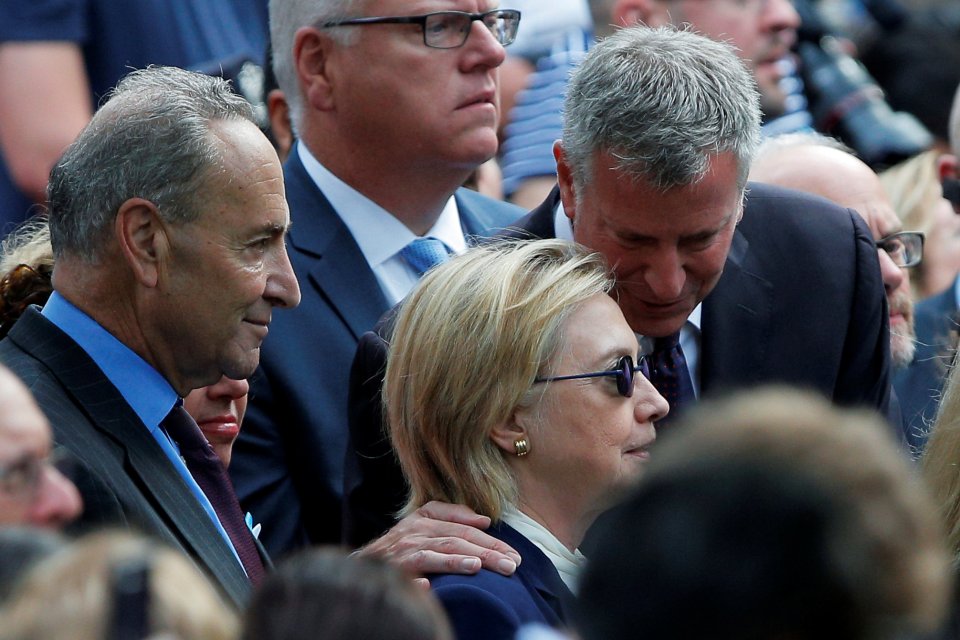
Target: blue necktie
670,375
425,253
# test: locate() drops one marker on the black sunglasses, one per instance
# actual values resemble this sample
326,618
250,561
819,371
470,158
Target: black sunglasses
624,373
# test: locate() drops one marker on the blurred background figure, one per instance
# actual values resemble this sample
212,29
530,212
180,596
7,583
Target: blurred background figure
58,60
774,515
550,419
324,594
116,586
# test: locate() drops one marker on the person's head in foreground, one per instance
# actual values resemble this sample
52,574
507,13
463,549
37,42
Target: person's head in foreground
116,585
32,491
478,412
940,463
772,515
325,594
660,128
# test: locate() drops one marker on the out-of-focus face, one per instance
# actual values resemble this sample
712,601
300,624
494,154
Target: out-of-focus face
762,31
32,491
845,180
590,439
218,410
668,248
229,268
423,106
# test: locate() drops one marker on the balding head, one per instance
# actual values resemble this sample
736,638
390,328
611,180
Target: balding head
32,492
821,166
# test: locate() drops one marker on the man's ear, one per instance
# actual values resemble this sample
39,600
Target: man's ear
506,434
279,112
142,238
311,57
568,194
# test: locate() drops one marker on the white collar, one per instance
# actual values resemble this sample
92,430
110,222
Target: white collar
568,563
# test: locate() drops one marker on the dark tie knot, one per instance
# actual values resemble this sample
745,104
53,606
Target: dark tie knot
666,343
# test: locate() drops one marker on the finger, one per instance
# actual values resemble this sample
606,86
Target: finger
454,513
429,561
421,583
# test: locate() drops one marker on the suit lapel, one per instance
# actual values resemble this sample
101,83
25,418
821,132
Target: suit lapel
537,572
740,305
539,223
334,263
146,464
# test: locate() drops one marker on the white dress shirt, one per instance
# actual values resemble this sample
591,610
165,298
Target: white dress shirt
381,236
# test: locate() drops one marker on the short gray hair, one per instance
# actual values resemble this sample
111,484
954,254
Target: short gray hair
663,101
286,16
785,141
150,140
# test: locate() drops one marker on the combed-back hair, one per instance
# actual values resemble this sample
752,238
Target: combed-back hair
662,101
152,139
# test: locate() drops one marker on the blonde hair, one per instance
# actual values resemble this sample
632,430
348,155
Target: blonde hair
889,547
915,192
469,343
940,462
69,595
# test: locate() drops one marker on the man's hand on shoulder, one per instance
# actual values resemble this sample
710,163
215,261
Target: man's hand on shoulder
443,538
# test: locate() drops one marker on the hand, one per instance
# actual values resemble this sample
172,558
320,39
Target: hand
443,538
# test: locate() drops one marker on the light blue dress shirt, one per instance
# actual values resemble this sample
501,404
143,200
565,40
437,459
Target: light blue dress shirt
146,391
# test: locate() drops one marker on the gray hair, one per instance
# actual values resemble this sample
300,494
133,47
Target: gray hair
151,140
286,17
662,101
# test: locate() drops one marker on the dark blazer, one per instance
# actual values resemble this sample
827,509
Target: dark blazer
287,465
489,606
800,302
124,476
920,385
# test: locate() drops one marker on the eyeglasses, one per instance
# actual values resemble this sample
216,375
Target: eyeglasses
904,248
448,29
21,478
624,373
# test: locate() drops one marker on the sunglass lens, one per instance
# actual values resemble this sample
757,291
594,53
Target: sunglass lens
625,377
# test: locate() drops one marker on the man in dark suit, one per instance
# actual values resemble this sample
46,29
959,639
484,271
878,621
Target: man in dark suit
167,220
391,118
759,284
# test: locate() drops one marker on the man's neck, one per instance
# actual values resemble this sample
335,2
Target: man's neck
414,194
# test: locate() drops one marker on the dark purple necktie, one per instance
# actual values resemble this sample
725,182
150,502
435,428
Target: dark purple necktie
670,376
209,473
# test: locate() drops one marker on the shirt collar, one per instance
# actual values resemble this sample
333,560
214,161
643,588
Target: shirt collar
377,232
146,391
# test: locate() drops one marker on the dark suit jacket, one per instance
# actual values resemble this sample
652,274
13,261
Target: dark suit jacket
800,302
489,606
287,465
920,385
124,476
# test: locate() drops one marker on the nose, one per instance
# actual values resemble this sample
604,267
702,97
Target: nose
57,503
891,274
665,276
650,405
482,48
282,287
228,388
780,15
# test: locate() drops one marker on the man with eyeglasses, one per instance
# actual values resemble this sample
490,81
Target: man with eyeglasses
32,491
394,105
825,167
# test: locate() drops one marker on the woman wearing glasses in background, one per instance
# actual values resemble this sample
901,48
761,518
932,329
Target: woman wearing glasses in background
512,387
